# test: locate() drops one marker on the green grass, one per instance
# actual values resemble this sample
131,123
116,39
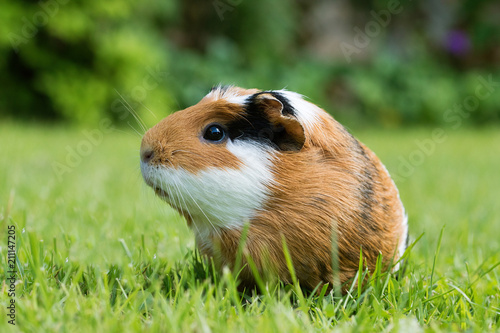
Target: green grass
98,252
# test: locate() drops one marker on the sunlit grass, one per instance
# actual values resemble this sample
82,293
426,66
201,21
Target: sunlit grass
98,252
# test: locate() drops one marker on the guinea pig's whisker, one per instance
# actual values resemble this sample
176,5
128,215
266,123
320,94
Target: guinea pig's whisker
138,119
175,198
201,210
133,113
149,110
125,132
181,197
170,192
208,219
175,202
179,193
134,129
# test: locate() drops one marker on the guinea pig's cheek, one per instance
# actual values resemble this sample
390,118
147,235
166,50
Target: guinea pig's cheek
213,197
228,197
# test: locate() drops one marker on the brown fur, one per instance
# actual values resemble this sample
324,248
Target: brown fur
332,182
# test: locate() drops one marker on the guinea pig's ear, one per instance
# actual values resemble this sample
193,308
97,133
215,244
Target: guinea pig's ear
286,131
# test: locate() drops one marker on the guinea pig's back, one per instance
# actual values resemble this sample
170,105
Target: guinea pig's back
334,183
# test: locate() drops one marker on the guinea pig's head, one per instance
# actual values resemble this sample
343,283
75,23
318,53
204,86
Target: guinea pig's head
213,161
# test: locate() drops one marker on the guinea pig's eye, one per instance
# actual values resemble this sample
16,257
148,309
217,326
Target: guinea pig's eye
214,133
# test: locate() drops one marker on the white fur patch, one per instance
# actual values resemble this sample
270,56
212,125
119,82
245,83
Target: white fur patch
402,244
237,99
227,93
215,197
402,241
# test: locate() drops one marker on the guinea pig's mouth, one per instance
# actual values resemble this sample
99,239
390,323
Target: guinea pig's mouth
151,179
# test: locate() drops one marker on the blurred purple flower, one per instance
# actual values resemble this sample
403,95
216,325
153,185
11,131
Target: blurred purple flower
457,42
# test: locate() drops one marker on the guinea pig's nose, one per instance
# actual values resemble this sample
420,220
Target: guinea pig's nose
147,154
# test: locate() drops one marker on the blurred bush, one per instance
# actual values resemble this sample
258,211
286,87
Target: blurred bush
80,61
71,59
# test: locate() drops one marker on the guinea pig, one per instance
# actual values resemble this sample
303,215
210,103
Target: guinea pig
279,169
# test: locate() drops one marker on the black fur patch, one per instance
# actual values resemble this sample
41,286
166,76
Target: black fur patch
255,126
367,200
288,109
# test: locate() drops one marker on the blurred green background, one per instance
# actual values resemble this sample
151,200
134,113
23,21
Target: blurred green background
389,63
417,81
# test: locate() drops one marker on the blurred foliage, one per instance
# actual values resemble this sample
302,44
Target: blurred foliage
69,58
80,61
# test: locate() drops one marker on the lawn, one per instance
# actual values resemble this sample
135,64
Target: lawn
97,252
